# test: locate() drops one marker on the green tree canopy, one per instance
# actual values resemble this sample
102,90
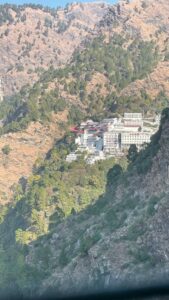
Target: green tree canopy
132,153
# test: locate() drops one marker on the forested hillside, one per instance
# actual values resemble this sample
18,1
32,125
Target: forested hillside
53,92
33,37
112,220
117,68
61,222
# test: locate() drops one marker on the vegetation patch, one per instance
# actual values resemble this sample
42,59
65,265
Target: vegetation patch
151,205
136,230
88,242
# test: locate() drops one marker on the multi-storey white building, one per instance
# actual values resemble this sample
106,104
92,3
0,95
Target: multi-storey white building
133,116
131,128
115,124
133,120
110,141
88,139
138,138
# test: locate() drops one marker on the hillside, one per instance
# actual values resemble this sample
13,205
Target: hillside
32,38
121,235
66,227
26,148
115,60
28,33
118,238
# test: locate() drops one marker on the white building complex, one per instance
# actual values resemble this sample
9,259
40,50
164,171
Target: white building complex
112,137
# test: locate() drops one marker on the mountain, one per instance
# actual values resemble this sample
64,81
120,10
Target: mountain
32,38
116,63
59,67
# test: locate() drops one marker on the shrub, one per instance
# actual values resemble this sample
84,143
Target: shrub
62,26
6,149
113,174
20,68
115,220
88,242
140,255
63,259
132,153
151,205
136,230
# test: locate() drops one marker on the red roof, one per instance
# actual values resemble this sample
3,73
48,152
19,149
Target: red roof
92,129
76,130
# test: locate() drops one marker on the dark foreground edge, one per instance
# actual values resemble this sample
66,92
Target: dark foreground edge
156,292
